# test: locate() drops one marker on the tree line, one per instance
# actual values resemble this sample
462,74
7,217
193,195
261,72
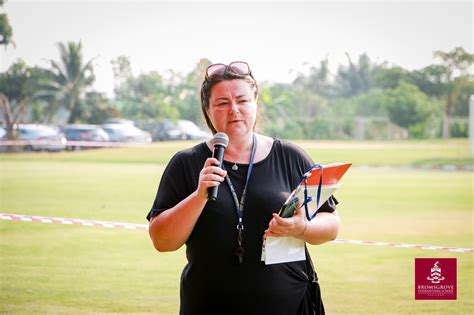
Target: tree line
363,99
316,105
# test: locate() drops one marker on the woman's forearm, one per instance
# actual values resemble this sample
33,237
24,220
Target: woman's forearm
323,228
170,229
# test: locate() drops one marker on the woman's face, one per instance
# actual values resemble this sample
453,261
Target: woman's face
232,107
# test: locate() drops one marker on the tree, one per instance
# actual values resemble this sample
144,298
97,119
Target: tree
69,80
317,81
456,62
369,103
432,80
98,108
389,78
19,86
355,78
293,112
410,108
147,98
6,31
144,96
281,116
186,95
461,107
122,69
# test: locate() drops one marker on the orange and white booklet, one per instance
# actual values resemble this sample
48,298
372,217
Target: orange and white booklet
314,189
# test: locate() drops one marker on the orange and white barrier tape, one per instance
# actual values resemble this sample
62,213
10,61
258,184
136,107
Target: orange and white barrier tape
29,218
134,226
399,245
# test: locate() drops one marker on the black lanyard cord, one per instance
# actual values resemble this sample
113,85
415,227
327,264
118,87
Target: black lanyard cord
240,205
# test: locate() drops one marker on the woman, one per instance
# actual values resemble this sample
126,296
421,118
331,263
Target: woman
225,274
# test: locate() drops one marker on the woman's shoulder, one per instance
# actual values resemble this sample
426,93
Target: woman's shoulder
191,154
288,147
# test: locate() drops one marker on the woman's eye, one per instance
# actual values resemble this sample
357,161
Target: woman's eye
243,101
221,104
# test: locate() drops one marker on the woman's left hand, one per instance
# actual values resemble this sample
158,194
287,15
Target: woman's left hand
294,226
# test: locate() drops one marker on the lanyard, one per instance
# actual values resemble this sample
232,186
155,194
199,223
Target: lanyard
239,252
318,195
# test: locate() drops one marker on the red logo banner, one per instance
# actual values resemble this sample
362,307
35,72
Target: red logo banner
435,279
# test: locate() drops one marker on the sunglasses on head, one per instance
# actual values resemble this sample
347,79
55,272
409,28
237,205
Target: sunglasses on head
219,69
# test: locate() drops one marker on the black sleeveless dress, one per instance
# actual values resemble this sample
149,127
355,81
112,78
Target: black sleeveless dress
213,282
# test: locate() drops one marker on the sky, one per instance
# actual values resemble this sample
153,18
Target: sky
278,39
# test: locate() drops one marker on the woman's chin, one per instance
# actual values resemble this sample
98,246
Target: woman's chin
236,132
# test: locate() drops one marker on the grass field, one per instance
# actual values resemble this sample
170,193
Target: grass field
48,268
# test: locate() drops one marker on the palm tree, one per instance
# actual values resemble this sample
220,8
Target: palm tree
318,80
70,78
356,77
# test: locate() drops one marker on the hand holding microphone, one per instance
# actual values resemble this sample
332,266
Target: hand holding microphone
220,142
212,173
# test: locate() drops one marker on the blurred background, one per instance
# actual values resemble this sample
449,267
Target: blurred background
347,70
97,96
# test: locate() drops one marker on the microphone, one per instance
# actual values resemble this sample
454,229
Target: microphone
219,142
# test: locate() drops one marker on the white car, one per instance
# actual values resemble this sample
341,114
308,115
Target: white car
190,131
41,137
126,133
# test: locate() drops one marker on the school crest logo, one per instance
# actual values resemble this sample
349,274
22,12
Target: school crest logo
435,279
435,276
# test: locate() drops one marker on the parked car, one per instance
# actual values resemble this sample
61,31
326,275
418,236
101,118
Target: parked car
3,137
41,137
126,133
89,133
119,121
167,130
181,130
191,131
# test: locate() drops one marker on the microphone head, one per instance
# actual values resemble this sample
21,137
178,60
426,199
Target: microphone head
220,139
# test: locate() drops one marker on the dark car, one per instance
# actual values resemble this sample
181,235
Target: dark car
84,133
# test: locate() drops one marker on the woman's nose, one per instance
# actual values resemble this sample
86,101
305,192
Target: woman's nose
234,107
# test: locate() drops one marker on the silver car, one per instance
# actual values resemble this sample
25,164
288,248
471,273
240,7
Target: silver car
41,137
126,133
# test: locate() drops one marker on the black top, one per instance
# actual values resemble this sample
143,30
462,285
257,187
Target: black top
213,281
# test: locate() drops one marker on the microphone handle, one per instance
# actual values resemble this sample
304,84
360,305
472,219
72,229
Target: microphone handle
219,155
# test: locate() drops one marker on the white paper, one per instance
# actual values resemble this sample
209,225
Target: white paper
326,192
283,249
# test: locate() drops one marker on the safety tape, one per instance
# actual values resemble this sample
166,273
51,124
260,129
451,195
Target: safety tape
29,218
134,226
430,247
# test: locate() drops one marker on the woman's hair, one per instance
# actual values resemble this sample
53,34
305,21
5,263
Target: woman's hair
206,93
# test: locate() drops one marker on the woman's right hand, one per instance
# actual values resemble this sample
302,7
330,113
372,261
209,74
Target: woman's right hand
211,175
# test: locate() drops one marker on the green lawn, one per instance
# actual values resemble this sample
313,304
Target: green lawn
50,268
414,152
